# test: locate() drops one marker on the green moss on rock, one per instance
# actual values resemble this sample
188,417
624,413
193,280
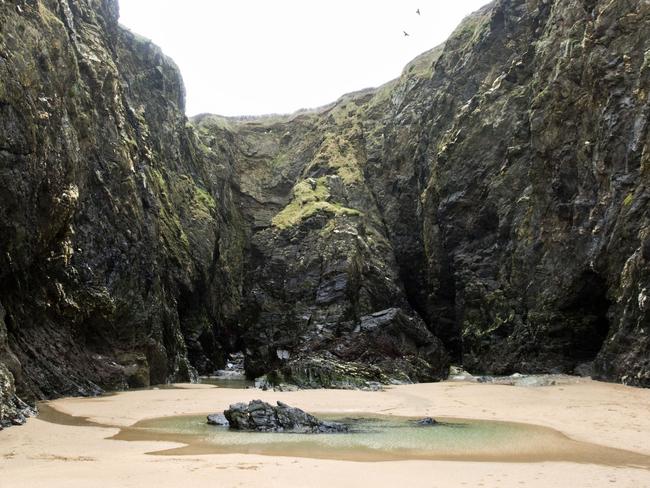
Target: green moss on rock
310,196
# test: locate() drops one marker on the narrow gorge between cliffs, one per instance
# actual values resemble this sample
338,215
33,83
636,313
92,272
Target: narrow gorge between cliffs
488,209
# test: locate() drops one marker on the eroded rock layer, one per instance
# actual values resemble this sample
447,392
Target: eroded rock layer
490,207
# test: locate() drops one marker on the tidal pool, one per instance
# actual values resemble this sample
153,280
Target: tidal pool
385,438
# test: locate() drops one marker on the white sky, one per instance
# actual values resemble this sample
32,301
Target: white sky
250,57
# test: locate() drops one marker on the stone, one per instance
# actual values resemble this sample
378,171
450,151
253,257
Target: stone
259,416
218,419
386,347
584,369
426,421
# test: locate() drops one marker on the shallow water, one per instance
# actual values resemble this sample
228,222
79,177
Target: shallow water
48,414
386,438
237,383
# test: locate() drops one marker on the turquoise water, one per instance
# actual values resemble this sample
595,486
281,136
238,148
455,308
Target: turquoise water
385,438
367,433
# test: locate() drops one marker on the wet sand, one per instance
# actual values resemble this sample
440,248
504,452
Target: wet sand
53,454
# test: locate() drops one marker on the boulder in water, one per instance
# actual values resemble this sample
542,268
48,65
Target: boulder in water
218,419
426,421
259,416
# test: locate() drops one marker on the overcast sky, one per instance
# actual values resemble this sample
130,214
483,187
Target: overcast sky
249,57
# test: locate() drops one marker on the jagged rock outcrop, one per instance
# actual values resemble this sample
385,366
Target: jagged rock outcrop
489,207
259,416
388,346
12,409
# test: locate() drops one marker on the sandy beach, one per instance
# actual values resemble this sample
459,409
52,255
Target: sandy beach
47,454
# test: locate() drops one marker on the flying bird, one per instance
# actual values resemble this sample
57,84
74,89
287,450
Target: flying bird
406,34
418,11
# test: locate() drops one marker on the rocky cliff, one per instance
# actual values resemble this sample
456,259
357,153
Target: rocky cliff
490,207
497,192
119,245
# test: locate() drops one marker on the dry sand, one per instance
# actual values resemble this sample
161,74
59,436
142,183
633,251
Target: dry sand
44,454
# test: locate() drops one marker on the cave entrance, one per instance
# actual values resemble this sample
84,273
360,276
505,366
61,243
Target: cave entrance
586,310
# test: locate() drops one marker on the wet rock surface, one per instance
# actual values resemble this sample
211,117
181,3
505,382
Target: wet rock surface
259,416
234,368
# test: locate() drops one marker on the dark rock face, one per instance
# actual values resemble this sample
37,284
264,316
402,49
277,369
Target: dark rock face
537,197
13,411
112,244
260,416
320,261
490,206
498,190
388,346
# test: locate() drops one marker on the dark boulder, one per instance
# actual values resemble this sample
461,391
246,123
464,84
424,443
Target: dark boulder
427,421
259,416
389,346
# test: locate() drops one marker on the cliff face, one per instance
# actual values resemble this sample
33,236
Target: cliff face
498,191
537,196
116,258
489,207
323,301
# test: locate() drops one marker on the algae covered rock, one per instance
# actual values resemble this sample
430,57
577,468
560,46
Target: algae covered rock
321,260
496,190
